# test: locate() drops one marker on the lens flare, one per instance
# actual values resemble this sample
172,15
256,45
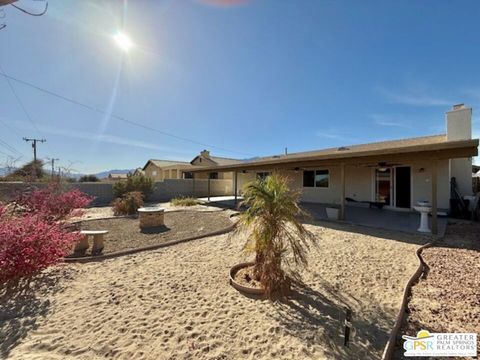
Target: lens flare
123,41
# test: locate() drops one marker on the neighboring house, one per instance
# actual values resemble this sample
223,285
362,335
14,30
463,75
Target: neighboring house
397,173
204,159
160,170
139,171
115,177
167,169
476,170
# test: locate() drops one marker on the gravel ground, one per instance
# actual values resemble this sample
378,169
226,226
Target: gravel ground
107,211
124,233
447,299
176,303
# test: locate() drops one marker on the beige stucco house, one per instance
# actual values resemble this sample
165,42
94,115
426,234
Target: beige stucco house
167,169
160,170
396,173
204,159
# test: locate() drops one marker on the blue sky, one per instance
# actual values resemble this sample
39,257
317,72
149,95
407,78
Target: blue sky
253,78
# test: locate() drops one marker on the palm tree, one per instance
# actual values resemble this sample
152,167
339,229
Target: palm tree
275,234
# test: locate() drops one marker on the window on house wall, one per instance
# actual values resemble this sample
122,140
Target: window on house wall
214,175
188,175
262,175
316,178
154,172
322,178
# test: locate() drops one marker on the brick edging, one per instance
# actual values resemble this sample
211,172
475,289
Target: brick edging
390,346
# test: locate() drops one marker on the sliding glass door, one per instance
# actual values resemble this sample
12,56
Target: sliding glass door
383,185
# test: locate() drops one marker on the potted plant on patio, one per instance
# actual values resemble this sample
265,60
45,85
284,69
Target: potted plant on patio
275,235
333,212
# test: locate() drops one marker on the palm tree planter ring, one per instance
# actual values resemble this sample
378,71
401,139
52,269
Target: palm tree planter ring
275,236
240,287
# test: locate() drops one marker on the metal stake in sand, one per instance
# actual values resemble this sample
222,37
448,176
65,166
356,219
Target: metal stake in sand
348,326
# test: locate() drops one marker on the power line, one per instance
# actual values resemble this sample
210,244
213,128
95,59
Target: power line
52,160
22,106
9,147
101,111
34,146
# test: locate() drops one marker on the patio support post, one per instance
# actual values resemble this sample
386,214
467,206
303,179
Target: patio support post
193,185
235,186
208,187
342,191
434,197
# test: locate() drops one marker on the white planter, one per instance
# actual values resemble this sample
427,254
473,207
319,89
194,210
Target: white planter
332,213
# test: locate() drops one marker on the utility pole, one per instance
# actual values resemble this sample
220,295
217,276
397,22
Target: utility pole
53,165
34,146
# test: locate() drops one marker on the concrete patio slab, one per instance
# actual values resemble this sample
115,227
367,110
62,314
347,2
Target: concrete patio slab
406,221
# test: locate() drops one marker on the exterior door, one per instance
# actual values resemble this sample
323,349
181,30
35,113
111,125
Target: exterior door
402,187
383,181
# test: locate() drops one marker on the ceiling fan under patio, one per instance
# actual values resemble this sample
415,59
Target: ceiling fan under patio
383,165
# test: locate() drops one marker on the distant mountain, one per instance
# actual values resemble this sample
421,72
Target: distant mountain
100,175
104,174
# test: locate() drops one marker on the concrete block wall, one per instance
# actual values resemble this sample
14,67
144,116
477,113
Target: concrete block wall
103,192
170,188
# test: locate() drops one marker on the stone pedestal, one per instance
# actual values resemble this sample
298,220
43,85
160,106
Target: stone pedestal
151,217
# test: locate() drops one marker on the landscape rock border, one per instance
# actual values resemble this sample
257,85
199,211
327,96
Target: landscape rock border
86,259
390,346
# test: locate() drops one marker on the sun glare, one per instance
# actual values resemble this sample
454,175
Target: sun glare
123,41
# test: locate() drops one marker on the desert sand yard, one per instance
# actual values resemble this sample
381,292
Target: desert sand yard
176,303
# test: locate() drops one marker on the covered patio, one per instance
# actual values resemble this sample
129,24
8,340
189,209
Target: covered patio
431,156
404,221
377,218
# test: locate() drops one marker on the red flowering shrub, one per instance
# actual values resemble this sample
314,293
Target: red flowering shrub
53,204
36,237
31,243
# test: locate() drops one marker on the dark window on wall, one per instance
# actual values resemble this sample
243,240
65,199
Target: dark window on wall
316,178
309,178
188,175
213,175
322,178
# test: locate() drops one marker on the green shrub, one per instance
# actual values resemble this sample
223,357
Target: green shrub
184,201
128,204
138,182
88,178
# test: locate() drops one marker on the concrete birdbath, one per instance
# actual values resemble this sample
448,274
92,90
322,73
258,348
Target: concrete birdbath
424,208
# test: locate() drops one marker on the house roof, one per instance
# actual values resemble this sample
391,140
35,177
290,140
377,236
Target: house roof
225,161
118,176
409,146
164,163
219,161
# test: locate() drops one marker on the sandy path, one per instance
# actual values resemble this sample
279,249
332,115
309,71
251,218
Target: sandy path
176,303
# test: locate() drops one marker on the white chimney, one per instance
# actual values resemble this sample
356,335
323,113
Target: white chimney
459,123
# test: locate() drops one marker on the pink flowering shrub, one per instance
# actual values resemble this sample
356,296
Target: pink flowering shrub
36,237
52,203
30,243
